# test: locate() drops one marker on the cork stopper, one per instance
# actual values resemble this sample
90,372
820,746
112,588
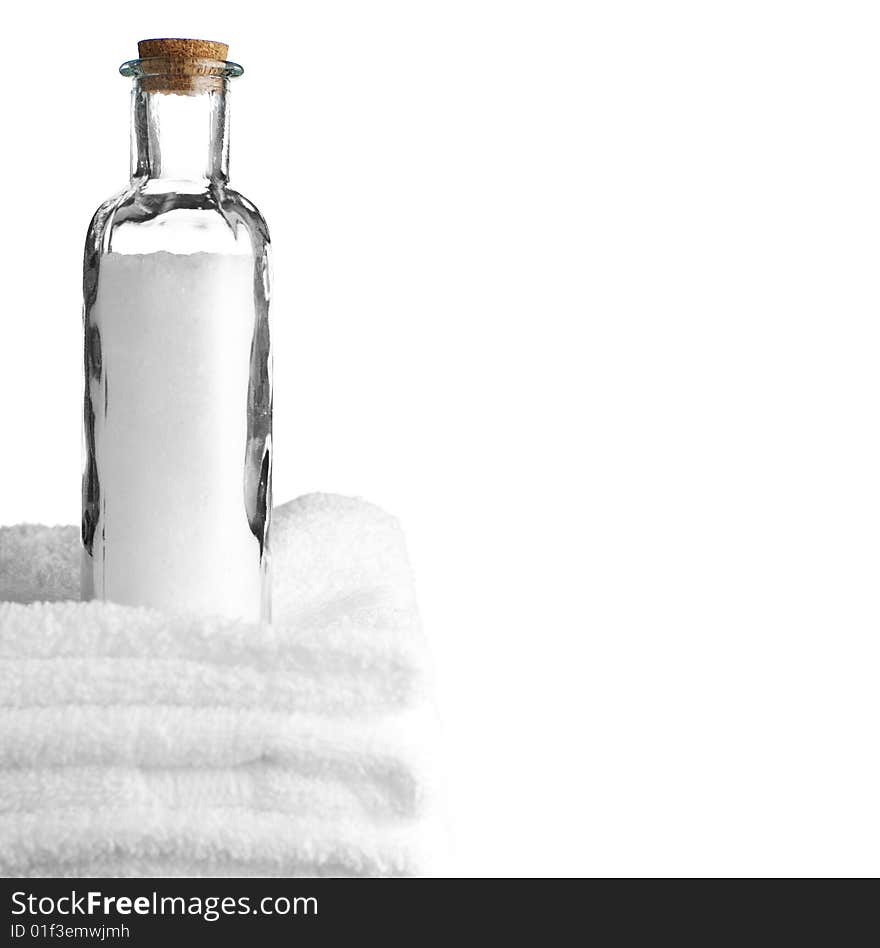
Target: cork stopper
182,49
183,66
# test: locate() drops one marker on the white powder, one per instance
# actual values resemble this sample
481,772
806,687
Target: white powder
176,332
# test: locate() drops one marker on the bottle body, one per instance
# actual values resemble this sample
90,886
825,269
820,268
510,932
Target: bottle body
178,397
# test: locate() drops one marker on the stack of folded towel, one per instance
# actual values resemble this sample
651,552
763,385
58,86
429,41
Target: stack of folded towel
134,743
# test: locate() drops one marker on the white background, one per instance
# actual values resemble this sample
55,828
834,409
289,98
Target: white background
587,294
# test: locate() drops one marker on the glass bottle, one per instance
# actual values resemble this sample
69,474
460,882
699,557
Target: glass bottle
178,374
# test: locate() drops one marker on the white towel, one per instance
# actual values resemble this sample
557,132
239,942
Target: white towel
134,743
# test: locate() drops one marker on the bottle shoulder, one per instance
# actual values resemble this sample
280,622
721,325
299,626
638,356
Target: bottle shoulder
247,209
104,214
150,216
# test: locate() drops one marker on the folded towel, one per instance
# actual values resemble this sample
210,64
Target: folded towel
363,652
136,743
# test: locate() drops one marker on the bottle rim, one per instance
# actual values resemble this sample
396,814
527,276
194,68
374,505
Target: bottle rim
155,66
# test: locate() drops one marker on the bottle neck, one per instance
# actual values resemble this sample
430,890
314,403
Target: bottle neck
180,139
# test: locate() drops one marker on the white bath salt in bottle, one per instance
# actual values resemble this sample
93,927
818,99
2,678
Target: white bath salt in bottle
178,374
